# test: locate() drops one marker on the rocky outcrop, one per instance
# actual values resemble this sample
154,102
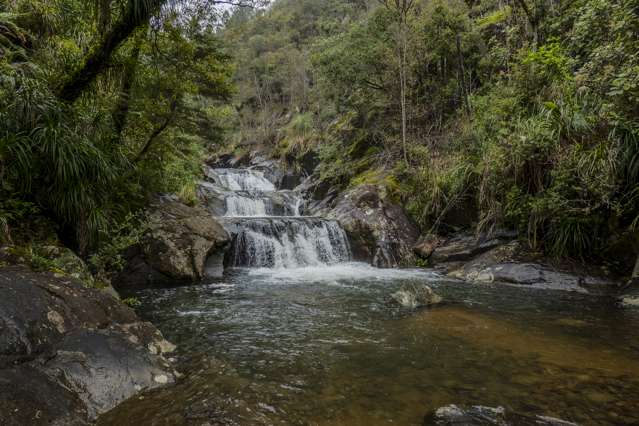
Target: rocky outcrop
460,247
512,263
533,275
478,415
380,232
68,352
414,296
182,245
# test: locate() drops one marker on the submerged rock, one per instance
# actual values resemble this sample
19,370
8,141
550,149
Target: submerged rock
380,232
415,296
68,352
183,244
478,415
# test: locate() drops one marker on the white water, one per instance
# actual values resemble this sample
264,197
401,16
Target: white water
338,273
261,239
238,206
240,179
282,243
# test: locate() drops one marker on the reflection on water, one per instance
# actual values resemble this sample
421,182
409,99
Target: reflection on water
318,346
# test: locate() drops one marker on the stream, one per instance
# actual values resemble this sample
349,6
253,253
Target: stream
297,333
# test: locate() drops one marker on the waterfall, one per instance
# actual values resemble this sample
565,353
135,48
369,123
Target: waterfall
237,205
286,242
240,179
266,225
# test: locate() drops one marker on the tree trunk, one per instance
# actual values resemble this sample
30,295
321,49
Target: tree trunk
634,279
104,15
462,75
403,92
136,14
533,20
121,109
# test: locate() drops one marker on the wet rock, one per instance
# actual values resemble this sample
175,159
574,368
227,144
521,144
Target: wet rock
629,301
426,245
478,415
534,275
29,397
634,279
212,197
380,231
231,160
176,248
68,352
463,247
415,296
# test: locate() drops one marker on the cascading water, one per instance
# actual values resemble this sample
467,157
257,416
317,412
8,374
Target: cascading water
267,227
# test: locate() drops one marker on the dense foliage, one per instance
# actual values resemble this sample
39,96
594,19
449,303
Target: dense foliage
519,113
103,103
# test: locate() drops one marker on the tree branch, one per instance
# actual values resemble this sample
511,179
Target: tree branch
137,13
162,127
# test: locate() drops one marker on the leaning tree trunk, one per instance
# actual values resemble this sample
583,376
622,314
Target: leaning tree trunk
137,13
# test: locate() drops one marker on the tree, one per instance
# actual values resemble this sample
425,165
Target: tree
402,10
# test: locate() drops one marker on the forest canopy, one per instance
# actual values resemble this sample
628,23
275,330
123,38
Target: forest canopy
103,103
523,112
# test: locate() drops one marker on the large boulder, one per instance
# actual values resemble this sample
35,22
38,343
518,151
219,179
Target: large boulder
69,352
461,247
478,415
534,275
182,245
380,232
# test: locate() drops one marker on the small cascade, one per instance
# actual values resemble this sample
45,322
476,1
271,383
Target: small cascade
237,205
240,179
286,242
266,225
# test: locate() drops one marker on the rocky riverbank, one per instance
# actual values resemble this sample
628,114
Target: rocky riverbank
68,352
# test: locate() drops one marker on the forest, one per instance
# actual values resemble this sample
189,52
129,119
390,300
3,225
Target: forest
326,212
523,112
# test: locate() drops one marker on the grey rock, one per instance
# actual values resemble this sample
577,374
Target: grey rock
380,232
478,415
414,296
426,245
464,247
68,352
533,275
175,249
629,301
29,397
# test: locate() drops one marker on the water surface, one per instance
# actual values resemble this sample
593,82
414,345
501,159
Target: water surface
321,346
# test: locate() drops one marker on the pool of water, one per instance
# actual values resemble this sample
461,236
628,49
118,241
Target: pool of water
321,346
